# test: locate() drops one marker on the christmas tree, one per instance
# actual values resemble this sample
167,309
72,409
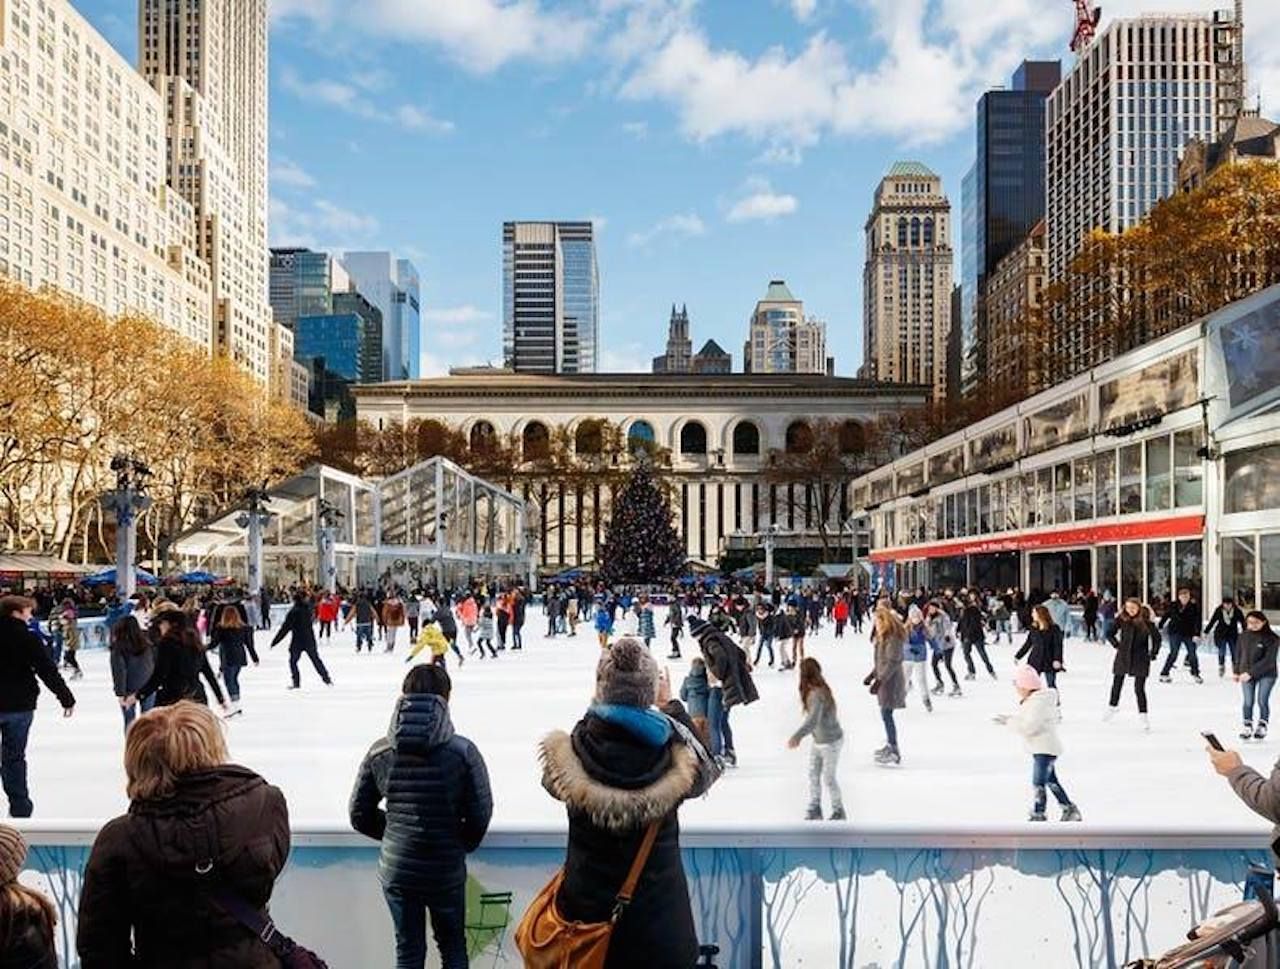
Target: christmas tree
641,545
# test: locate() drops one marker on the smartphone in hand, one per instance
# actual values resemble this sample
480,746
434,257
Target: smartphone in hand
1212,740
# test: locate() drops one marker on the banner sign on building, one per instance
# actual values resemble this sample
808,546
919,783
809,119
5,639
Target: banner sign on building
1155,390
994,448
946,466
1060,423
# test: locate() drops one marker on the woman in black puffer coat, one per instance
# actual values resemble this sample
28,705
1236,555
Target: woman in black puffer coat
625,766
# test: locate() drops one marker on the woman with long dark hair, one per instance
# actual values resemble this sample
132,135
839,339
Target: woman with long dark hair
233,640
1255,662
820,720
180,662
133,659
1043,646
1136,642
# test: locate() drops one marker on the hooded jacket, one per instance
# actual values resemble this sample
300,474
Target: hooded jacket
726,662
142,876
614,780
438,802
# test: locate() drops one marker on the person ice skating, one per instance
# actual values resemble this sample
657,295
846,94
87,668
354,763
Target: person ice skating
302,640
423,792
327,614
1183,624
234,642
797,620
821,723
748,627
972,630
23,658
1225,624
675,619
1090,616
840,615
180,663
430,638
133,658
571,614
1036,720
503,616
1043,646
730,682
626,769
519,607
942,642
645,625
449,626
764,632
695,693
197,828
69,618
393,619
413,613
362,614
27,918
1136,643
603,622
1256,650
887,681
916,655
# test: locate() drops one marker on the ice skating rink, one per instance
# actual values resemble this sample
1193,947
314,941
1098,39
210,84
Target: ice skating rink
958,767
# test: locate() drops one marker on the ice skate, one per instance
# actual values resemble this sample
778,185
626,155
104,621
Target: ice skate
1260,731
1246,731
1037,816
1197,678
1146,722
1071,813
837,815
1166,678
939,690
955,691
293,686
970,676
928,704
888,756
814,813
1222,671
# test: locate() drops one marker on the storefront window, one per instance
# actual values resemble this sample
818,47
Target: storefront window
1014,502
940,518
1044,496
1159,482
1269,560
973,512
1188,468
962,514
1131,479
1105,481
984,510
1239,562
1084,488
1253,479
1159,574
1106,569
1131,571
1062,493
997,506
1188,562
1029,501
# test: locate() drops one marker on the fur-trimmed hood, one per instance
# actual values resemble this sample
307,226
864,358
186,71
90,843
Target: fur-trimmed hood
615,808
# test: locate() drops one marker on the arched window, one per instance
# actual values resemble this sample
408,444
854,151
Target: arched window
483,436
693,438
588,438
640,436
928,232
536,441
902,233
915,232
853,439
746,438
799,437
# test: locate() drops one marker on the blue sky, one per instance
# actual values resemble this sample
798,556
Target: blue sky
717,144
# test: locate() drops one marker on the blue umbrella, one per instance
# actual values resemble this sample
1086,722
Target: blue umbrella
108,577
199,577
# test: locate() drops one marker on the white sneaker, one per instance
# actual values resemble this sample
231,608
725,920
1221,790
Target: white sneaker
1111,712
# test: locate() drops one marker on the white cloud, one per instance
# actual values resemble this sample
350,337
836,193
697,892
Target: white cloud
419,120
638,130
319,224
290,173
685,224
761,202
803,10
464,315
351,99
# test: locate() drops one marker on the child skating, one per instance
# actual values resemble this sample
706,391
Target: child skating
433,639
1036,719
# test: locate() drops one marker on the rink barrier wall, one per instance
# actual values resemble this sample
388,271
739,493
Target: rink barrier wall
831,895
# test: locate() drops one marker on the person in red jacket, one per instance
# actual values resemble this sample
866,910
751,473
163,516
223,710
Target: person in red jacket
327,613
840,613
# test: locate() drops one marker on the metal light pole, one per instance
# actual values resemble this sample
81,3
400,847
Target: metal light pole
330,518
126,501
253,518
770,538
441,532
531,545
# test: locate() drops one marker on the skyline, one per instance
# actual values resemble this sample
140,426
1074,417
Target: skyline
684,131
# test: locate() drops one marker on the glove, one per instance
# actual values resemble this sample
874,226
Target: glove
869,677
874,686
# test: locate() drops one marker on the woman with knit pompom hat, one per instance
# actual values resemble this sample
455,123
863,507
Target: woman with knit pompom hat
1036,720
27,918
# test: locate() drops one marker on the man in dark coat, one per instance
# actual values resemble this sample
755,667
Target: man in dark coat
727,663
438,807
1183,622
22,658
297,625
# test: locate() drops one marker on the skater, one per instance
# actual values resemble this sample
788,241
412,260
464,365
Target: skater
180,662
1183,623
27,918
1225,624
840,614
132,659
413,613
886,680
857,611
940,632
22,658
1043,646
730,682
430,638
747,625
1002,616
448,627
264,607
234,642
484,630
297,625
603,622
820,720
764,628
518,607
69,621
503,618
571,614
1136,643
437,809
1256,664
1090,616
797,620
1037,721
695,693
393,619
972,630
916,655
327,613
645,621
675,619
362,614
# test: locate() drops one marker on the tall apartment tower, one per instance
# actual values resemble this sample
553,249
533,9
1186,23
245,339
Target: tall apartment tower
1117,125
208,61
1001,201
679,355
781,338
392,285
907,280
550,297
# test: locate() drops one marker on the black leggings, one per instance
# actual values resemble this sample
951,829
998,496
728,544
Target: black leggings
675,640
981,647
1139,690
944,656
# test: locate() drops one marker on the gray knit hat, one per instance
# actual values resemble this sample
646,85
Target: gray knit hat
13,854
627,675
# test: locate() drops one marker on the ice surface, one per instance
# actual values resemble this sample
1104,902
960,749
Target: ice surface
958,767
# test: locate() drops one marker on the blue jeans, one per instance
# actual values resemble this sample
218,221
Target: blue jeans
1004,626
766,642
890,728
715,720
1044,774
231,676
1261,691
14,728
448,924
1176,640
364,634
131,712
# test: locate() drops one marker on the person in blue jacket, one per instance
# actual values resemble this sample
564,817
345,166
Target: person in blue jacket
604,622
438,807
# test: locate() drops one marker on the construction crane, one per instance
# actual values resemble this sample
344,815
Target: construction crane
1086,25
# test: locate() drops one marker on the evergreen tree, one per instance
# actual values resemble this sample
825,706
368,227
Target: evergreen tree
641,544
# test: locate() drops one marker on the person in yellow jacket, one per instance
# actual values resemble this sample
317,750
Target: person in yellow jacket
430,638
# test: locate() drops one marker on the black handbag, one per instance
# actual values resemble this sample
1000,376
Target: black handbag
290,954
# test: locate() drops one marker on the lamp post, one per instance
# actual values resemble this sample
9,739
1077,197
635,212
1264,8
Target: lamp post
126,501
770,539
531,544
441,532
330,518
253,518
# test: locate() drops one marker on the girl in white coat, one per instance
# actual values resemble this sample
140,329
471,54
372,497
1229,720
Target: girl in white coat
1036,719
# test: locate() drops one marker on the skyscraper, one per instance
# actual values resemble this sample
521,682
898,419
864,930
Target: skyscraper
1117,124
781,339
550,297
301,284
1003,200
208,61
907,280
679,355
371,340
392,286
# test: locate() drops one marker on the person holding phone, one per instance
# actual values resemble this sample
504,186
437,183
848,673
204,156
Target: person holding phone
1260,794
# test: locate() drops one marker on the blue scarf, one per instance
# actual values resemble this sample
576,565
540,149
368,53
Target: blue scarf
648,726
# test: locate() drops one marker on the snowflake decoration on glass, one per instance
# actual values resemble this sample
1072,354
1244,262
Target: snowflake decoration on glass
1246,340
